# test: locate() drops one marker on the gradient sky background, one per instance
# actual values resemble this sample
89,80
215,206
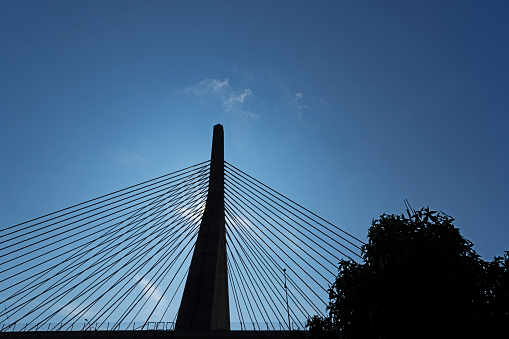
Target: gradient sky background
347,107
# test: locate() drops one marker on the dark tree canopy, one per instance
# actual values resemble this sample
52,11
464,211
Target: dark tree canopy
420,279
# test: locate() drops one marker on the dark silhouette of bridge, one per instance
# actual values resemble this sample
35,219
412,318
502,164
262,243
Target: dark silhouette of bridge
116,265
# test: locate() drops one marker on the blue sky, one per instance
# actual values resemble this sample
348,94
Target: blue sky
347,107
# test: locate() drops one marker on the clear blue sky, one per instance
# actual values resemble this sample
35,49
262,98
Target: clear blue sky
347,107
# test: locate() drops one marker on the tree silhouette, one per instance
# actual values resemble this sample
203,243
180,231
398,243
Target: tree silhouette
420,279
495,313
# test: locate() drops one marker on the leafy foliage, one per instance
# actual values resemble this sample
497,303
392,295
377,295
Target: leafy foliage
496,311
420,278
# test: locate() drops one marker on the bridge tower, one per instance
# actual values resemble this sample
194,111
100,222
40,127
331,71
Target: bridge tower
204,305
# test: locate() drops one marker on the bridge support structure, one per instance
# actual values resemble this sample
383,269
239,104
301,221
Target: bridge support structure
205,305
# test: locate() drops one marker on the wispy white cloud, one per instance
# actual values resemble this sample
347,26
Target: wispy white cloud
249,76
299,104
250,115
126,157
139,153
240,222
151,292
238,99
231,99
153,295
215,87
77,311
235,103
192,215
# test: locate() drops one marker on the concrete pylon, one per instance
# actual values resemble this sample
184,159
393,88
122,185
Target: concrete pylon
204,305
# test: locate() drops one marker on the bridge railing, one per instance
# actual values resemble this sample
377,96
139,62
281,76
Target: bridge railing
266,326
87,326
141,326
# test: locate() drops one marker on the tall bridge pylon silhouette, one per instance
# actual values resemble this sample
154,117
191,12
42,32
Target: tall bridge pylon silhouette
205,303
238,255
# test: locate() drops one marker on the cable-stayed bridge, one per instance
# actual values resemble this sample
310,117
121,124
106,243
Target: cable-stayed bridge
206,249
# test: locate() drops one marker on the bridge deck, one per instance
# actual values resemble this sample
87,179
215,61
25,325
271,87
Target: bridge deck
154,335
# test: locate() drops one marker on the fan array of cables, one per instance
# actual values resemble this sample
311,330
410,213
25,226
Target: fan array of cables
282,258
120,261
114,262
